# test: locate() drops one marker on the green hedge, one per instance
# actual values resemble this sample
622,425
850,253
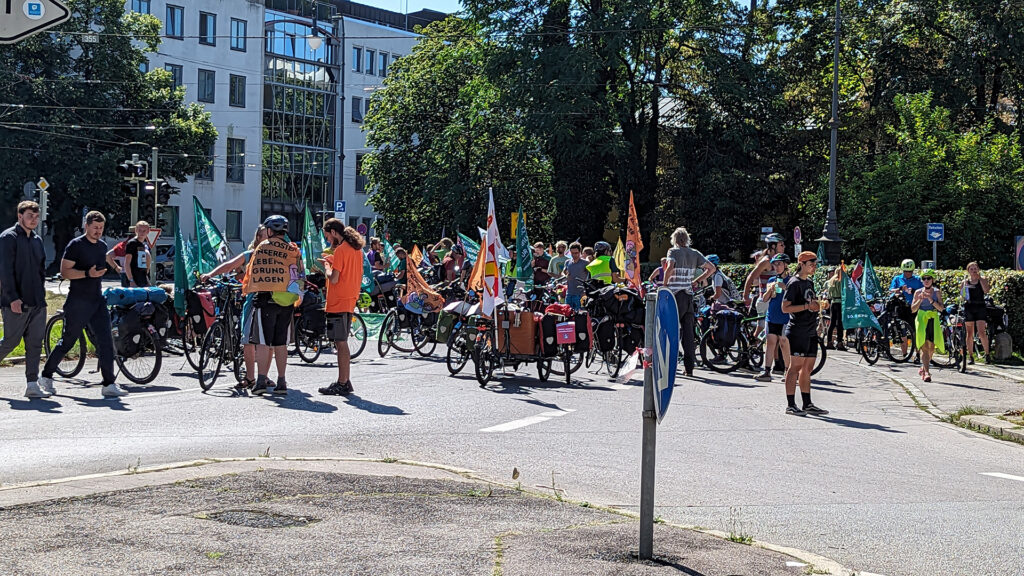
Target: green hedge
1007,289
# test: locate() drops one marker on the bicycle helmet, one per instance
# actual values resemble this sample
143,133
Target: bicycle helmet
773,238
780,258
928,273
602,246
276,223
714,259
907,265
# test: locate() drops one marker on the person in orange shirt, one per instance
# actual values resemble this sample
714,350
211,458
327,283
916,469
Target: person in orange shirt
343,265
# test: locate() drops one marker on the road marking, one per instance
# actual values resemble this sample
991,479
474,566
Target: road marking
522,422
621,386
1003,476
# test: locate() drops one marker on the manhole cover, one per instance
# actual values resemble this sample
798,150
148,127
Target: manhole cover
259,519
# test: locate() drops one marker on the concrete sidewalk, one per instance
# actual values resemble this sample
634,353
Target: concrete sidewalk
270,516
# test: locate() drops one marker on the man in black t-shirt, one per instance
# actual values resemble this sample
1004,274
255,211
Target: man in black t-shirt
84,263
137,258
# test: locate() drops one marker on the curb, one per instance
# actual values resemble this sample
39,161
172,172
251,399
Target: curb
994,426
995,372
819,564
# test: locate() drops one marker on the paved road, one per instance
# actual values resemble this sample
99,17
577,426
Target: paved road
878,485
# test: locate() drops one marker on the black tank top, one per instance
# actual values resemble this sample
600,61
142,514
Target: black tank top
975,294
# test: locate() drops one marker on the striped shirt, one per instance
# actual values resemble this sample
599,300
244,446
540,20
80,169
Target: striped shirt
685,262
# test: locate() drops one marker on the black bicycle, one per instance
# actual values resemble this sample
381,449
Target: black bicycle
223,341
136,349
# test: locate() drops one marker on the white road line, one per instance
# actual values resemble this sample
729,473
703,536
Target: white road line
621,386
520,423
1003,476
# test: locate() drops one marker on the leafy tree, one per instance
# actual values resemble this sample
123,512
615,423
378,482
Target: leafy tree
444,135
69,109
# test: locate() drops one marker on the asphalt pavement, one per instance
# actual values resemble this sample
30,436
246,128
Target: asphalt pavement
879,485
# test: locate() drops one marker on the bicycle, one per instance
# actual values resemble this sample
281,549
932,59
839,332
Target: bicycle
954,332
222,342
311,328
136,352
403,331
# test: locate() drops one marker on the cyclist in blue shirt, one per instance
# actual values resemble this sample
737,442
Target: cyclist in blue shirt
906,283
777,319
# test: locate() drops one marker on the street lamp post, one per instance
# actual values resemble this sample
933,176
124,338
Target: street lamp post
830,234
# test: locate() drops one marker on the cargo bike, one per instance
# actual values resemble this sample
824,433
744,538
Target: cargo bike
517,336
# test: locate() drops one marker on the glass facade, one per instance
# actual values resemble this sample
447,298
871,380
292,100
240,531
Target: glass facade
300,96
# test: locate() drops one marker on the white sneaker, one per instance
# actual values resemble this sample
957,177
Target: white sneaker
34,391
47,385
113,390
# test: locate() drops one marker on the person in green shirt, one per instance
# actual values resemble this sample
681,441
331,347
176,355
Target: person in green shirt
835,323
557,263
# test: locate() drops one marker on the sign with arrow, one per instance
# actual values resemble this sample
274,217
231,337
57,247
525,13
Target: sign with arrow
936,232
20,19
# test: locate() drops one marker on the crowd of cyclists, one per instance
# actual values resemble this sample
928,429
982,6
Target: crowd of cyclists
254,309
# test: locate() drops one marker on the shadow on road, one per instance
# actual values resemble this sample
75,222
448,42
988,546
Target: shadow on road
101,402
41,405
372,407
299,400
858,425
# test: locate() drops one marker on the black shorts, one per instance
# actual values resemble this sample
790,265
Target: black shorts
802,343
776,329
975,313
338,326
272,323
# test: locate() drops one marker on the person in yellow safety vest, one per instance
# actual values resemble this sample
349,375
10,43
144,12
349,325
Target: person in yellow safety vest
603,268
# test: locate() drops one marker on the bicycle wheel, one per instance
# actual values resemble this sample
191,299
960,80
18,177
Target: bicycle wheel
543,370
575,360
484,363
822,356
356,336
899,341
191,341
722,359
458,353
948,358
383,338
307,342
403,339
423,340
143,366
238,365
869,344
961,335
74,359
566,365
211,355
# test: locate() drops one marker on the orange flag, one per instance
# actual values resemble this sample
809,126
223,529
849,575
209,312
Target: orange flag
416,256
634,244
419,296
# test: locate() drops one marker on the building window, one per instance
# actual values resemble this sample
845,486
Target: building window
366,107
175,24
236,160
207,172
144,67
177,74
140,6
357,109
360,178
383,69
233,224
353,221
207,28
237,93
357,59
207,89
239,33
371,57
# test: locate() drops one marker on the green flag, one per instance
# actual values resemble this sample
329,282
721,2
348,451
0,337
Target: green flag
472,248
182,273
212,248
524,255
821,254
871,288
312,244
367,285
856,313
390,256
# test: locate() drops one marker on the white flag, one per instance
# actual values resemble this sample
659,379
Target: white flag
493,293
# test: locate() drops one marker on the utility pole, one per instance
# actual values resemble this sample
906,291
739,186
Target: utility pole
156,211
830,234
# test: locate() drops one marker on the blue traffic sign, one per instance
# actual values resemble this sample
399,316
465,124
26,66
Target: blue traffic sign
339,206
666,350
936,232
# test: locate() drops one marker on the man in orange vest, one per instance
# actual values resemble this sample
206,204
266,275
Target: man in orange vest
343,265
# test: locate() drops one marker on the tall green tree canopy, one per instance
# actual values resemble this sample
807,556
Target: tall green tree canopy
445,135
69,110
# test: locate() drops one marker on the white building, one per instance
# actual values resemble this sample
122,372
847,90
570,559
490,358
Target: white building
374,40
213,49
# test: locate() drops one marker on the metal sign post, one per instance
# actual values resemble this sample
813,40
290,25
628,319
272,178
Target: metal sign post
936,234
661,354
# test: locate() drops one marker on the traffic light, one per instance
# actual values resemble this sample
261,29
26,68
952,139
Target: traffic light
164,193
147,209
133,169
